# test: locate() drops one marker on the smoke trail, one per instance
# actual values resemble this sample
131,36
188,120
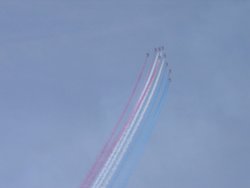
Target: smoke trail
114,151
135,113
133,131
128,157
128,132
99,161
129,161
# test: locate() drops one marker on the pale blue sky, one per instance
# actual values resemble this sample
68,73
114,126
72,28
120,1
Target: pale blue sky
66,70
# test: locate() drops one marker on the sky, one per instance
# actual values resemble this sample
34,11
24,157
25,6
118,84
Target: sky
66,71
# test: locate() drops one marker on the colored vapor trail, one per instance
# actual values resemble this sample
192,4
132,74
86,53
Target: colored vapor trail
118,157
107,147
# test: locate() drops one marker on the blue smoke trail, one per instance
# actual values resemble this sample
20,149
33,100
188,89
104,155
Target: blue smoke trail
139,144
120,179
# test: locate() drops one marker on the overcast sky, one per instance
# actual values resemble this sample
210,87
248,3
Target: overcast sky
66,70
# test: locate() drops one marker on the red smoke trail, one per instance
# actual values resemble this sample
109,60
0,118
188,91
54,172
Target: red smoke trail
103,155
139,103
131,132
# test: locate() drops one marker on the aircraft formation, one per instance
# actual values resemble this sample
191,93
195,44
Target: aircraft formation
123,149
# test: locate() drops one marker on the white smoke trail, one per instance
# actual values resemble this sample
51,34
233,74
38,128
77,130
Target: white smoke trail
109,162
107,165
130,138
